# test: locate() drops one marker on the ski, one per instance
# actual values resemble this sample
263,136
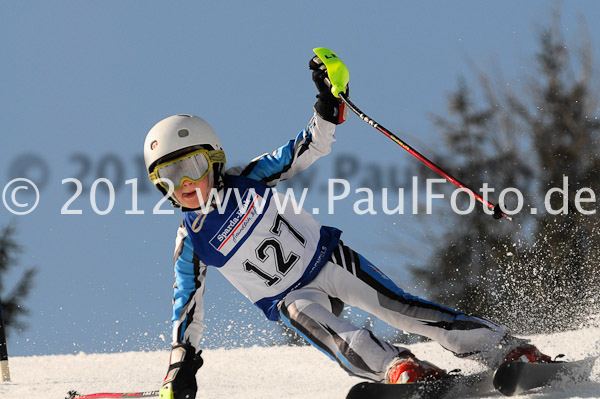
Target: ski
513,377
147,394
451,386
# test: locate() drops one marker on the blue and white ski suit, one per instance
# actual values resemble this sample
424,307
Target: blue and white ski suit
291,267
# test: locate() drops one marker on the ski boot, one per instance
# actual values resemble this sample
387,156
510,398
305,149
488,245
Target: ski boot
406,369
527,353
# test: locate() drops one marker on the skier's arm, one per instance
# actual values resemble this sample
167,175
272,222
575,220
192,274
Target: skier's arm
298,154
312,143
188,314
188,292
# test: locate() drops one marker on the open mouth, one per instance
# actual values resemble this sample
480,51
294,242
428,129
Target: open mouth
191,194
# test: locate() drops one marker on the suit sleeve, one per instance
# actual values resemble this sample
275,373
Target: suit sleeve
188,292
298,154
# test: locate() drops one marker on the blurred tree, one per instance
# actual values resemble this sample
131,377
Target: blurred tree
12,302
540,272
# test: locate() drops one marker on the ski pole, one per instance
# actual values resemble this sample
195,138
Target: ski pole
147,394
498,213
4,370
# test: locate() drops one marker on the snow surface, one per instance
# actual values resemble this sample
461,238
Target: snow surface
257,372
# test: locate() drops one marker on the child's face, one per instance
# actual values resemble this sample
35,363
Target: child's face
187,194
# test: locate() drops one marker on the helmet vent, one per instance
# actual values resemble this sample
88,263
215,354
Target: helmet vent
183,133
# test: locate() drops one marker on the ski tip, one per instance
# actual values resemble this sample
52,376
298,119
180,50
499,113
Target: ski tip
506,377
357,391
72,395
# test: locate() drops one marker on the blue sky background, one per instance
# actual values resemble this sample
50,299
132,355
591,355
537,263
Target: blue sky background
82,83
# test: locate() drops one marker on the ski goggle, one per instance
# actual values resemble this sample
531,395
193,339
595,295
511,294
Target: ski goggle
193,166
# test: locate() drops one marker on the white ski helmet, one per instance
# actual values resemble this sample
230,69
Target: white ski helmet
177,135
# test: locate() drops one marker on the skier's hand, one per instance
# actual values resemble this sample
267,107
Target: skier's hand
337,72
329,107
180,382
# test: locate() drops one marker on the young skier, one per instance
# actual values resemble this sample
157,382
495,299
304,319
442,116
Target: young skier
288,264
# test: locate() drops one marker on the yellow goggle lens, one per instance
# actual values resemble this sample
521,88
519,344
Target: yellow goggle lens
193,166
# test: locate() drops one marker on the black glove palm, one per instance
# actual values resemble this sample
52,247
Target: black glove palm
328,107
180,382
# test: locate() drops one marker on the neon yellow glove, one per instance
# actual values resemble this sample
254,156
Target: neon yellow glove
336,70
331,78
166,393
